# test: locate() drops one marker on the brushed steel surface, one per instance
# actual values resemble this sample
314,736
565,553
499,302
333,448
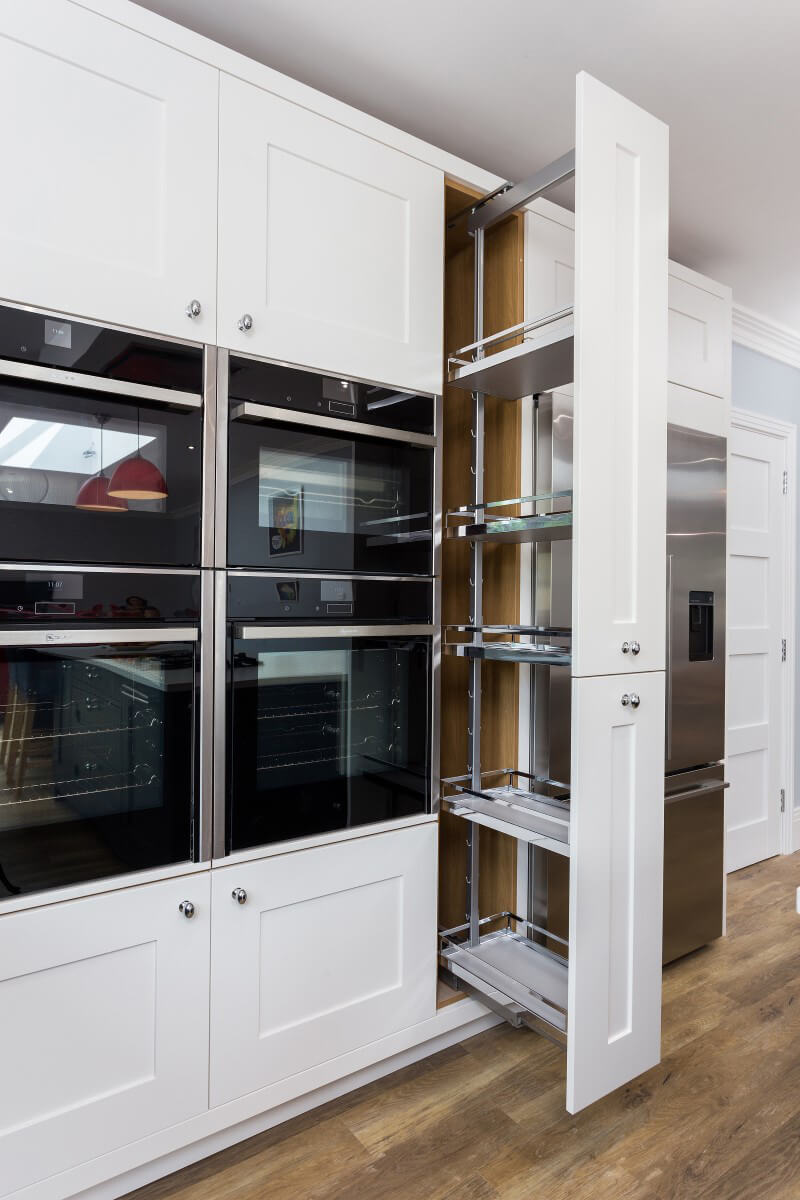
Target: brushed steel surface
694,841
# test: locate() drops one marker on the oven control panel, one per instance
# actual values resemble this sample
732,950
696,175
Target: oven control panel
329,600
74,596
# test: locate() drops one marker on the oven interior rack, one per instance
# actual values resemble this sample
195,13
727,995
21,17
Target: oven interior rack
524,972
523,806
514,974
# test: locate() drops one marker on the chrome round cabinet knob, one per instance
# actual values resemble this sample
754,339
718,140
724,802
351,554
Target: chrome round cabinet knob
625,701
193,309
239,895
186,908
635,647
245,323
635,701
626,647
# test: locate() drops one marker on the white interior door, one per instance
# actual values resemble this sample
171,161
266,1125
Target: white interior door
757,459
109,151
330,241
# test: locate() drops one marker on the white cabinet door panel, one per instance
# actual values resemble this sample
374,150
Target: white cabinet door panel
616,883
549,265
109,150
699,338
620,384
334,948
103,1024
331,242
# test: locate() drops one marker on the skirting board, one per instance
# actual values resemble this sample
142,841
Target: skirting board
130,1167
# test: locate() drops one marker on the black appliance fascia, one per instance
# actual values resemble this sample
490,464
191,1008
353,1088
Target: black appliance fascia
78,400
101,747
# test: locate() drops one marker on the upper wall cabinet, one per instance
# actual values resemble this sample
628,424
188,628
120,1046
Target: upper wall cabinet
109,151
699,333
330,244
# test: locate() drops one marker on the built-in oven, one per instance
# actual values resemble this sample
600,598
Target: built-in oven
101,444
329,711
99,724
324,474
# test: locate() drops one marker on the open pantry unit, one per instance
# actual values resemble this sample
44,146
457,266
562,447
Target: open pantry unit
553,604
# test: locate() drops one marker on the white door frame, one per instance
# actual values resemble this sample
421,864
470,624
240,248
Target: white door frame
785,431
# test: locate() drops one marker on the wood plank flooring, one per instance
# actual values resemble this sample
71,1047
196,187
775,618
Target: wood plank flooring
718,1118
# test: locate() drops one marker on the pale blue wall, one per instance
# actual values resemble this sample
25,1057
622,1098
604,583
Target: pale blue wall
771,388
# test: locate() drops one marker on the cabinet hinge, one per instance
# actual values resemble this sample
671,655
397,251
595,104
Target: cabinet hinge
785,482
783,649
783,799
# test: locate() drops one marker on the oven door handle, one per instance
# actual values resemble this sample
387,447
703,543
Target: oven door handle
38,373
249,411
265,632
95,636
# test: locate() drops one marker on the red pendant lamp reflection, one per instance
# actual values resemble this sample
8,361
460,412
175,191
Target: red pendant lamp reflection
94,493
137,478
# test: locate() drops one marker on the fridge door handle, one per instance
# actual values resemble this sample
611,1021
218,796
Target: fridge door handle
699,789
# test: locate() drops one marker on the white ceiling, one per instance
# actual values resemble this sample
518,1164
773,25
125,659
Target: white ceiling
494,83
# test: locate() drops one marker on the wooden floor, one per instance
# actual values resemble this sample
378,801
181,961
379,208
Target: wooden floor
720,1116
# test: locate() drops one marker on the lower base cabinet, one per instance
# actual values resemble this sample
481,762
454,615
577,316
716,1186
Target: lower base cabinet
103,1024
318,952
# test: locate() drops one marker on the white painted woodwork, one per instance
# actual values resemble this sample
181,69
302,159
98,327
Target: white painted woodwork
103,1025
699,337
616,874
618,564
331,241
756,623
334,948
109,151
549,265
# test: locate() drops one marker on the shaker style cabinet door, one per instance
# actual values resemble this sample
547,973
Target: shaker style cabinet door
104,1030
619,530
109,150
330,245
616,888
319,952
699,336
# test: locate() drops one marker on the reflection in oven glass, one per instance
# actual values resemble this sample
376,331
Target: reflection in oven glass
95,762
328,736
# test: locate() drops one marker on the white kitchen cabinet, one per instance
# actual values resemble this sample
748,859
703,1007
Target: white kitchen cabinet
329,949
699,333
103,1024
619,440
616,871
109,151
330,244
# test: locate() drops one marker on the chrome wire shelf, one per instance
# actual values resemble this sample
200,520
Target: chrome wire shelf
483,523
535,653
536,811
525,972
541,362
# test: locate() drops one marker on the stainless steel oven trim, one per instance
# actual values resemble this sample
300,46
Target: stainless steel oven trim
287,632
436,491
279,362
96,636
222,470
39,373
435,731
267,412
206,723
70,568
209,465
220,718
273,573
190,343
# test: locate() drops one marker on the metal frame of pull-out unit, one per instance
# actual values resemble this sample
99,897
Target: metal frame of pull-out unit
505,959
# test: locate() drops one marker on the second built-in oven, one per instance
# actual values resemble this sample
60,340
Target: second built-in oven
325,474
328,702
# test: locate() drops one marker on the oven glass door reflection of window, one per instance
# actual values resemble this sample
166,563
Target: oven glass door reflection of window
96,761
90,477
302,500
329,733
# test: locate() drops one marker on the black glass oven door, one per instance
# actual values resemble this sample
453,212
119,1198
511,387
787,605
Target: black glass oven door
329,732
98,477
311,498
97,754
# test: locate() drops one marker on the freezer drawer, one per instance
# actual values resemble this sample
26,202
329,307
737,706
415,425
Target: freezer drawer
694,838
